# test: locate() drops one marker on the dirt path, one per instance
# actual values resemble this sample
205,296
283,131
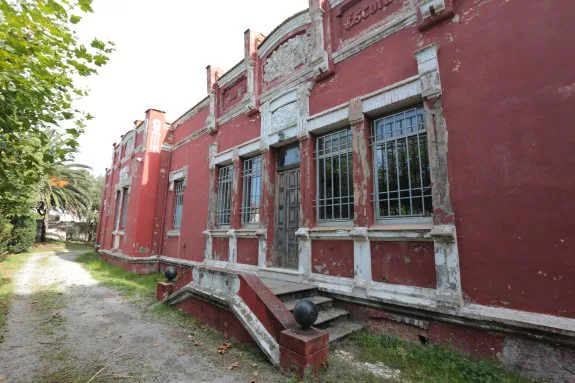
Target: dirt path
64,327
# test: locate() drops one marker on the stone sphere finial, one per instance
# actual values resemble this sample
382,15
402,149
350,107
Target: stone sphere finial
305,313
171,273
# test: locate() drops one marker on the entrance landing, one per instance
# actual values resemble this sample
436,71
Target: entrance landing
335,321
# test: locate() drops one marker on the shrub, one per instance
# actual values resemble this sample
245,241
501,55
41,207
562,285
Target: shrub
23,234
5,232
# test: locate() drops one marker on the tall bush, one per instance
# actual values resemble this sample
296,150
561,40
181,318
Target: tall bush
23,234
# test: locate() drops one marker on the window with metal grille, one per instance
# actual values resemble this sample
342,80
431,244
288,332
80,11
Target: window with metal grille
224,202
252,185
402,181
178,202
334,176
118,209
125,195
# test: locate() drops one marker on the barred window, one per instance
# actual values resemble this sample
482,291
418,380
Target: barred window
252,185
125,195
178,203
224,202
335,176
118,209
403,184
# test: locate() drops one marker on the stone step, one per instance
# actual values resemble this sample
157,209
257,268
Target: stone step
320,301
325,317
342,329
288,290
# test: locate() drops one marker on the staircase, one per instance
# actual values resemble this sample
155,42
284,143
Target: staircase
333,320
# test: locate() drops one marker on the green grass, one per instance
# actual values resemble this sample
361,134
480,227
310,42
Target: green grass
9,265
129,284
428,363
52,245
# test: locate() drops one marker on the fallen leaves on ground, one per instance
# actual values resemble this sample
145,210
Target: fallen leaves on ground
233,365
256,377
224,347
3,378
198,343
57,315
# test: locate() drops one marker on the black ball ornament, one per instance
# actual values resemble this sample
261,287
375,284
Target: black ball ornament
170,273
305,313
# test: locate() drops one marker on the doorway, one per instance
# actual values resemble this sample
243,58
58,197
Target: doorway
287,208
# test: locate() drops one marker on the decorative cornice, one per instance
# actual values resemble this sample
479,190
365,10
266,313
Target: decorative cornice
190,113
231,75
278,34
190,138
398,23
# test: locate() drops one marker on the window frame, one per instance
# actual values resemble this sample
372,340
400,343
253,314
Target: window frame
179,189
350,194
227,180
117,213
124,214
247,179
375,144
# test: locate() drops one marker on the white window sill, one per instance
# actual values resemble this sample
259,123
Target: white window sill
173,233
118,232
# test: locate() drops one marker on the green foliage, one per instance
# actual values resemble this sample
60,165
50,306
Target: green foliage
431,363
23,234
40,61
5,233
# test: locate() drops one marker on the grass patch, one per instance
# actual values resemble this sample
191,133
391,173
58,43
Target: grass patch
131,285
59,246
429,363
9,265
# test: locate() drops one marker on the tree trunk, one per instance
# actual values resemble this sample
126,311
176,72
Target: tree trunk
44,227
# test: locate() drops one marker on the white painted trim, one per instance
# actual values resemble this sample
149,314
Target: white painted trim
519,318
425,7
249,148
173,233
232,75
364,40
386,98
190,138
224,158
280,33
332,118
128,259
178,175
335,3
232,247
190,113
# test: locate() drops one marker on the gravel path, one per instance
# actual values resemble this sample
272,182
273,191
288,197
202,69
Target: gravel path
65,327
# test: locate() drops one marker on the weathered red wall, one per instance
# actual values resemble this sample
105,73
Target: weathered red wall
217,318
192,125
237,131
403,263
247,249
333,258
509,88
220,249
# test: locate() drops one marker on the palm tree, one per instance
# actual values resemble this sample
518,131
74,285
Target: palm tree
66,189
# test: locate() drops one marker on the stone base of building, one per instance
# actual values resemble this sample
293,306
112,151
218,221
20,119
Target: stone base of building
532,357
535,355
142,266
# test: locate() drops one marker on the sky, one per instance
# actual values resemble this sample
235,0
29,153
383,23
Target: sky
162,50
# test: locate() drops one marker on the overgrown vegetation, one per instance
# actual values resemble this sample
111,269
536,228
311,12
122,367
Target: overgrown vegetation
41,60
427,363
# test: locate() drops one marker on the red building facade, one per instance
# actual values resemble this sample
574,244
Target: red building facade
410,157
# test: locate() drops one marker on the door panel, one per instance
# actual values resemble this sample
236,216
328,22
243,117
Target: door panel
287,221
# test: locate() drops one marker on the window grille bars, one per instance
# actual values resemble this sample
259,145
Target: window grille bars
334,176
402,179
224,199
178,203
252,185
125,195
